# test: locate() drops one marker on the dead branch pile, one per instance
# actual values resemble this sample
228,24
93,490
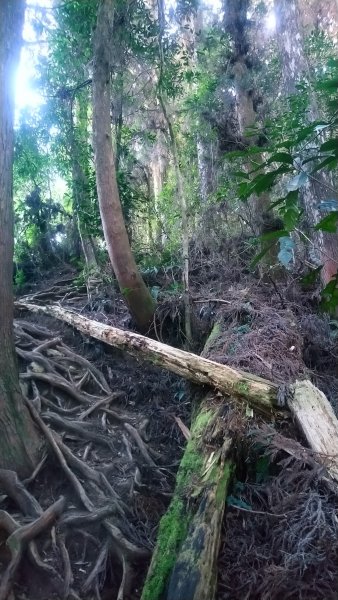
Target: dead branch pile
280,535
277,343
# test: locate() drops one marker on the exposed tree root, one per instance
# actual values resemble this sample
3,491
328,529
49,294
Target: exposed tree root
19,536
16,491
98,567
73,394
68,575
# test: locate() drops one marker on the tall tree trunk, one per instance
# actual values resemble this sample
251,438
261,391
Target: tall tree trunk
158,166
133,288
204,168
80,160
237,25
294,68
191,23
19,442
179,182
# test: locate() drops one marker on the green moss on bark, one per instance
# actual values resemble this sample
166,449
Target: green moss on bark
175,523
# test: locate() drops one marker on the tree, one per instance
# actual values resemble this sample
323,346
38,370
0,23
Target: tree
178,175
236,23
80,183
317,188
133,288
19,442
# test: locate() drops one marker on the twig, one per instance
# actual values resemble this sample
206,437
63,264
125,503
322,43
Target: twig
97,375
99,403
219,300
98,567
256,512
140,443
36,471
76,518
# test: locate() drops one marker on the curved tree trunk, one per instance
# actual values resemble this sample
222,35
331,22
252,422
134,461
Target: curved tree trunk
19,441
294,68
133,288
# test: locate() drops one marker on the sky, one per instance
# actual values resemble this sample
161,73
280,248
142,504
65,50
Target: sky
26,95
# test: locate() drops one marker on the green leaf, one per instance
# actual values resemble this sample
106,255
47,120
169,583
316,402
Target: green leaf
328,84
262,469
332,161
264,182
311,277
290,211
246,152
241,174
330,145
291,218
305,132
282,157
276,203
332,63
328,223
274,235
329,300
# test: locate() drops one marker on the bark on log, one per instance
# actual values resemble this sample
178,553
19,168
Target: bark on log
318,423
259,392
307,404
184,563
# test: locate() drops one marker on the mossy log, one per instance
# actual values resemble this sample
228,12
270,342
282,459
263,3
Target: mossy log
184,563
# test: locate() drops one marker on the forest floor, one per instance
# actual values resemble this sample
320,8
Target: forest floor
117,428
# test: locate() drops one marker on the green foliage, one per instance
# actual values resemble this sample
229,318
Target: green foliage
297,150
20,278
329,300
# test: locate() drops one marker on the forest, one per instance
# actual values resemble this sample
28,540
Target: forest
168,299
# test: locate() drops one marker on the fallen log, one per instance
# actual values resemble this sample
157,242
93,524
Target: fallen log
310,408
184,563
260,393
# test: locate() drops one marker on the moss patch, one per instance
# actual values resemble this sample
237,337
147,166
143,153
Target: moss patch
242,387
223,483
215,333
173,530
175,523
